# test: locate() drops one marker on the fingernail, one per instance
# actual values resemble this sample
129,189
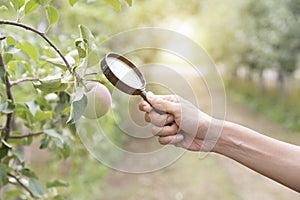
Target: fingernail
150,95
169,119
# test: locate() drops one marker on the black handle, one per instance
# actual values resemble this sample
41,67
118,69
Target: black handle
144,96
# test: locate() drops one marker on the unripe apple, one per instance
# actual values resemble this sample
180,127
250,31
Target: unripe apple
99,100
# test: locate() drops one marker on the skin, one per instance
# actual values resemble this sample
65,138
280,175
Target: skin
196,131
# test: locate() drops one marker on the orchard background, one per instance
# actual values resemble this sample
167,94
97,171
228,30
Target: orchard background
47,48
43,66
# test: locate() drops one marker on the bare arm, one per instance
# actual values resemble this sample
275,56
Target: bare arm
275,159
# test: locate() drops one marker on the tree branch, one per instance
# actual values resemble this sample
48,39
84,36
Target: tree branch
42,35
22,185
17,82
9,118
25,135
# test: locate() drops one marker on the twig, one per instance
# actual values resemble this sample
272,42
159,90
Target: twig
2,38
93,80
41,34
91,74
17,82
22,185
25,135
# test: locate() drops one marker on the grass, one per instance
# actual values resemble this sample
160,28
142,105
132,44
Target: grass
277,106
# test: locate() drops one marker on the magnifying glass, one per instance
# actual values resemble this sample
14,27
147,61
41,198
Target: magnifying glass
125,76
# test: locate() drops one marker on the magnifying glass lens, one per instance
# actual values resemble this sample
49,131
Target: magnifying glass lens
124,73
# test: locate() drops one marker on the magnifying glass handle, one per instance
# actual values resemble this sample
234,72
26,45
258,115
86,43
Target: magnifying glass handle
144,96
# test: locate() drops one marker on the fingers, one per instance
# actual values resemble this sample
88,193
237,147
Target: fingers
167,134
154,117
165,130
173,139
164,104
157,119
144,106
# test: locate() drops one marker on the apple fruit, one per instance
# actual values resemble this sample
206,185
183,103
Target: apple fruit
99,100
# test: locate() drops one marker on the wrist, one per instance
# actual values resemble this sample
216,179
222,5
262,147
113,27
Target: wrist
212,141
223,137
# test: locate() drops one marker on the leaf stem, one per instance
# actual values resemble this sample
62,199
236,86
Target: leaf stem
17,82
22,184
25,135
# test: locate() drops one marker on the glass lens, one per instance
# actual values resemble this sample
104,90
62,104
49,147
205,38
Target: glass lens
124,73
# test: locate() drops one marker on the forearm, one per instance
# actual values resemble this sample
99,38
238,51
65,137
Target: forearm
275,159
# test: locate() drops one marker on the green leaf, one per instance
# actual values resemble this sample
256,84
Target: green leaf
10,40
79,43
29,49
3,176
66,110
41,100
57,183
64,149
13,194
31,6
81,52
78,106
129,2
23,112
52,14
116,4
19,155
36,187
7,57
58,144
33,107
59,61
28,173
3,8
7,107
45,89
55,134
17,4
44,142
86,34
3,151
72,2
44,2
42,115
2,74
51,81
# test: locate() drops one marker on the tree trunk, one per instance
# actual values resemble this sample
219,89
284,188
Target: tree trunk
281,82
262,86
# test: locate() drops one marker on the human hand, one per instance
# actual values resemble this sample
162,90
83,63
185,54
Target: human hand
190,127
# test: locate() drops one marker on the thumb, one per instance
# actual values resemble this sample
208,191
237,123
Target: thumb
162,104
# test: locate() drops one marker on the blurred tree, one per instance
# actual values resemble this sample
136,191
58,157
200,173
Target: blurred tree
255,34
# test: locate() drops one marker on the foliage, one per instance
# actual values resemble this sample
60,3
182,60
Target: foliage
255,34
37,80
283,109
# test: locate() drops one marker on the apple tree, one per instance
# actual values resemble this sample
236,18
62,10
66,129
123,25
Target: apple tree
43,90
